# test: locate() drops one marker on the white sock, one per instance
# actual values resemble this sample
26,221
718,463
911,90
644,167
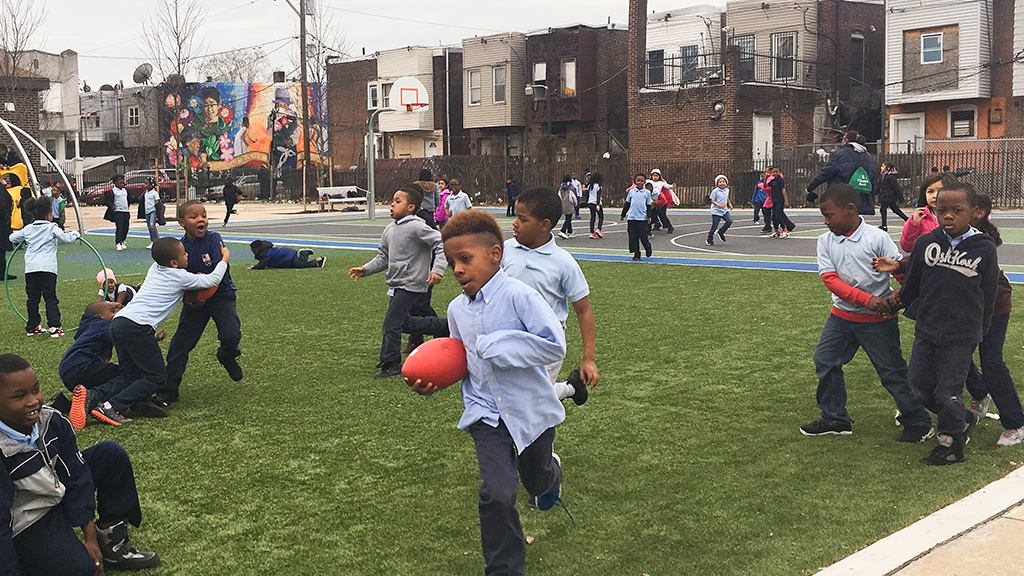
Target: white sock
564,390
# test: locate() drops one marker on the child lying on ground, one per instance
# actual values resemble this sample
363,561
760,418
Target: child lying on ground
270,256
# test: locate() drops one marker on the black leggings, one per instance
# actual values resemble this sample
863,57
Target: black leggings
121,221
895,210
596,213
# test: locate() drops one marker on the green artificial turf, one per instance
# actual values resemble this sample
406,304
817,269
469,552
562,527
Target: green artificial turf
686,460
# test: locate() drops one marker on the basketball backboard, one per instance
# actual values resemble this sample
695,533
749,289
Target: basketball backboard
408,94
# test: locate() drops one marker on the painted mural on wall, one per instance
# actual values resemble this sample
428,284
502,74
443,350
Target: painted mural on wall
219,126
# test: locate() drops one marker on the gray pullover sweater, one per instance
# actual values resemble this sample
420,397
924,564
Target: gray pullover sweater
409,250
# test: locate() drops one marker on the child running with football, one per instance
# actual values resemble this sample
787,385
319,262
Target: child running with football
511,335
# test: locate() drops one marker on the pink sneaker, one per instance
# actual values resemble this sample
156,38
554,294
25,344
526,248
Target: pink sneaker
593,235
599,233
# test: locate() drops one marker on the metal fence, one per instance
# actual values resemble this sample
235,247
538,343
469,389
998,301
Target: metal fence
689,71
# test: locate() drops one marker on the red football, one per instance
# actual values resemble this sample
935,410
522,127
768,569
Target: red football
441,362
196,298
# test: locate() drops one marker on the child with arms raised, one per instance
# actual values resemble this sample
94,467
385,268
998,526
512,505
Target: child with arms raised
953,273
860,318
413,256
41,237
511,410
204,249
48,487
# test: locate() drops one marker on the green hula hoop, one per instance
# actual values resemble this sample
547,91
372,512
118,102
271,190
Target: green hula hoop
7,282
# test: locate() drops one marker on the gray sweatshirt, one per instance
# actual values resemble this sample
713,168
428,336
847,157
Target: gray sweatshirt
409,250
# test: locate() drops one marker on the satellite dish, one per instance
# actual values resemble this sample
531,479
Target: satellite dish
106,88
143,73
175,79
86,87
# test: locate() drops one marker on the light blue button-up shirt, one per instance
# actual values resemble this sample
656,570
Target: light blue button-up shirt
42,237
548,269
162,291
850,258
26,439
510,335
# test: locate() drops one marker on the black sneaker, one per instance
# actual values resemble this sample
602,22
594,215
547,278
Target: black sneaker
307,252
105,413
230,363
915,434
969,426
60,403
147,409
321,262
580,393
390,371
821,427
165,398
949,451
118,552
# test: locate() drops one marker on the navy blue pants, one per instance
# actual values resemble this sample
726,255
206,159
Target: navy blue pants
50,546
222,309
994,377
41,285
501,469
638,231
403,304
89,374
142,371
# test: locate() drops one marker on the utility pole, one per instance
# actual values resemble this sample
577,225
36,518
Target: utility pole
305,98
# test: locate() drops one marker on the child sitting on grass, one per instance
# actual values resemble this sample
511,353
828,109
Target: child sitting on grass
860,318
42,236
47,487
134,333
953,274
270,256
113,291
511,409
413,256
204,249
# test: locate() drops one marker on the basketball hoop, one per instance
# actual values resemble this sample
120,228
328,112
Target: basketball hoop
408,94
411,107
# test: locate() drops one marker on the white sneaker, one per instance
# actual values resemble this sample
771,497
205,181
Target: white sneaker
149,246
785,234
980,407
119,247
562,234
1011,437
571,235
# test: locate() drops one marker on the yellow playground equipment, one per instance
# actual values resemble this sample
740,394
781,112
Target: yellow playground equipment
17,177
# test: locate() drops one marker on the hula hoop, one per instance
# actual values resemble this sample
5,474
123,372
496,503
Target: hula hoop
7,281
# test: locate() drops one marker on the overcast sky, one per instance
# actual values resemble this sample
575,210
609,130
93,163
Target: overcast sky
109,43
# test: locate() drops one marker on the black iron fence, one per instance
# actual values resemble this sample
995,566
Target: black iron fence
689,71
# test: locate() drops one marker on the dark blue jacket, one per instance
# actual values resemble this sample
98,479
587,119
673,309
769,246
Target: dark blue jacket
92,340
203,256
842,164
277,258
30,472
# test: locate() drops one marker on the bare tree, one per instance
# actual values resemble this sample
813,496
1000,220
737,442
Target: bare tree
21,20
325,39
172,36
242,65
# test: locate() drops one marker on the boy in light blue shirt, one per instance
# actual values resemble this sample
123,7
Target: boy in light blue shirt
720,207
511,409
635,211
133,331
42,236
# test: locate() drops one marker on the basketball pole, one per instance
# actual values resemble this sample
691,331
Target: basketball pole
305,98
371,154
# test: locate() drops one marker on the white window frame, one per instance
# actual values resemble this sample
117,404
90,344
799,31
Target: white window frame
540,72
962,108
470,74
776,37
931,35
503,86
372,96
564,73
133,116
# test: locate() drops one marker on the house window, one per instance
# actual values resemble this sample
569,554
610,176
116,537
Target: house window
656,67
133,115
96,121
500,73
51,147
568,72
372,99
857,57
484,147
931,48
748,48
385,94
540,72
962,122
474,87
784,56
688,63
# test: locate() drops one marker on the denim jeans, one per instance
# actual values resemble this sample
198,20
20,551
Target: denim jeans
154,235
994,377
715,219
839,341
937,374
501,533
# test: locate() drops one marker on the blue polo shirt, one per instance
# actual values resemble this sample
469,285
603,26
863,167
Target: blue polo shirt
203,256
548,269
850,258
510,335
638,199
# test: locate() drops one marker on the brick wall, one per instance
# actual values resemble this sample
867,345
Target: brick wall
860,102
449,100
346,109
25,115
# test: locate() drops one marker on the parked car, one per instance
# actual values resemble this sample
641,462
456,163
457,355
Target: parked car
249,184
135,183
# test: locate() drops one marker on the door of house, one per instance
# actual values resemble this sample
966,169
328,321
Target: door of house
763,136
906,131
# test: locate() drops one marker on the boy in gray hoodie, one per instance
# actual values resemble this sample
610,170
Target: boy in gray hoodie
412,253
